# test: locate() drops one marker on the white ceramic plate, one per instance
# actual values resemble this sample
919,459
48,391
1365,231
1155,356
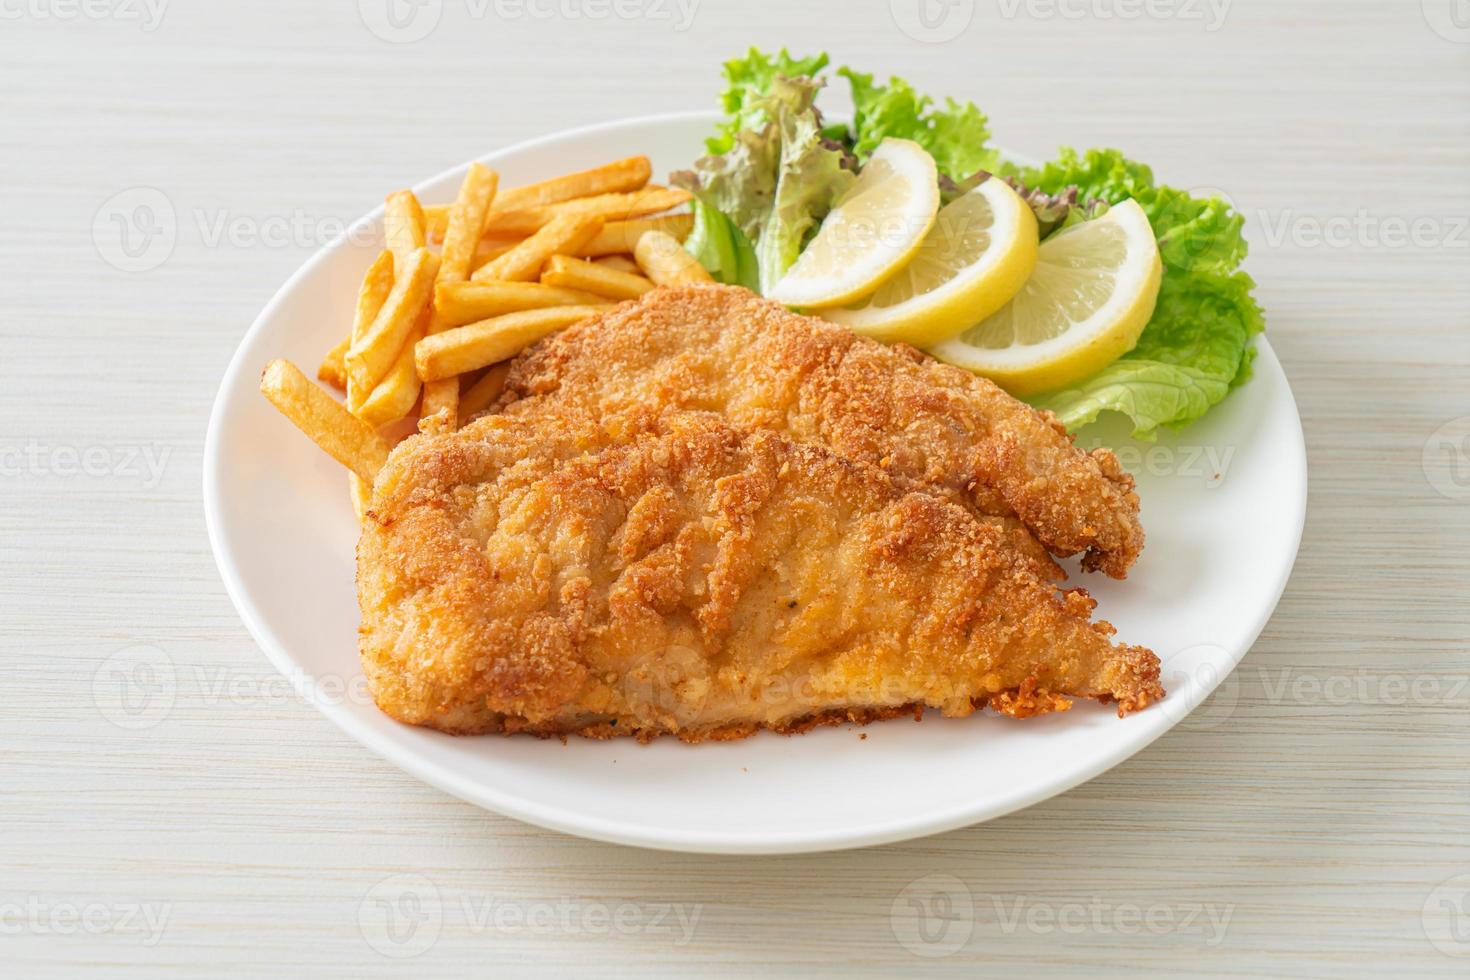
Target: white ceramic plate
1223,505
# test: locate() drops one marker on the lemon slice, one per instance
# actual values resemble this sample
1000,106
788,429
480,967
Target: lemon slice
977,256
1090,296
874,229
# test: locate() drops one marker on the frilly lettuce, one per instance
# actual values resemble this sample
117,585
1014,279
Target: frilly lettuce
748,84
775,183
774,173
954,135
1197,345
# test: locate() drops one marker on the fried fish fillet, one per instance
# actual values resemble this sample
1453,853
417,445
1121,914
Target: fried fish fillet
547,574
726,350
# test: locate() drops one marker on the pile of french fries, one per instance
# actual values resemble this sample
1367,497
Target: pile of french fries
459,289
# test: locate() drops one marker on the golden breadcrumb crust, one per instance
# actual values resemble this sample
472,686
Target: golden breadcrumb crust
555,572
725,350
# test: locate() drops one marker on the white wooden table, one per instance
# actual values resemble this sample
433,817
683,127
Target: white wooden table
1313,819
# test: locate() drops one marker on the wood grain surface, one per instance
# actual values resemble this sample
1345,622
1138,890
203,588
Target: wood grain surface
1314,818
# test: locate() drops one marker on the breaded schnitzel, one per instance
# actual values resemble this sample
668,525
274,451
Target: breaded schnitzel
724,349
552,574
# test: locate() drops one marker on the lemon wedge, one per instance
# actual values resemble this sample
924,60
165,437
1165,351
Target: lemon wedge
1090,296
978,255
873,230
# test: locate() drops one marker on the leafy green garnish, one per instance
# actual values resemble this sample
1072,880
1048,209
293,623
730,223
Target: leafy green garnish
778,182
1197,345
954,135
748,83
721,247
776,170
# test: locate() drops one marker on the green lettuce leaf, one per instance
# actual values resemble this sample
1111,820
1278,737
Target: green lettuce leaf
812,177
1196,346
955,135
775,183
721,247
748,84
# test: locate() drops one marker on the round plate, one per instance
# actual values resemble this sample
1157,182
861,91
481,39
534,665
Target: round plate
1223,505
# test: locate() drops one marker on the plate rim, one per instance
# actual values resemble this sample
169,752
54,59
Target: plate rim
579,823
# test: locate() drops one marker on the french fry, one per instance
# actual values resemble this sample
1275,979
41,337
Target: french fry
440,411
628,174
347,439
664,261
395,395
362,495
622,263
492,248
333,369
625,175
461,238
436,219
479,395
479,344
562,235
570,273
465,302
373,354
622,236
377,284
608,207
403,227
466,222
